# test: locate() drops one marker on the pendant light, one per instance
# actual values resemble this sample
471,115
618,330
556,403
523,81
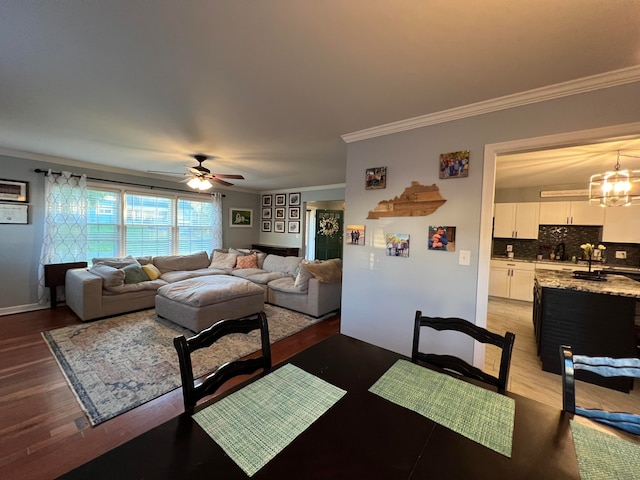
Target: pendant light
617,188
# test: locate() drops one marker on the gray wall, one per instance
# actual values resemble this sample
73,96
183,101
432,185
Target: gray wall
380,293
20,244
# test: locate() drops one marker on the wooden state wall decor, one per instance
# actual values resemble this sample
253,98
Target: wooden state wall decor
416,201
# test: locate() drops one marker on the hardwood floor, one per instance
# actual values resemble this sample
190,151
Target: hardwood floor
43,431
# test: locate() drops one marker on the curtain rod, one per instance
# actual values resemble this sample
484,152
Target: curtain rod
38,170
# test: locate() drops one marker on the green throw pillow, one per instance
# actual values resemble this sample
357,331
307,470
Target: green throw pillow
134,274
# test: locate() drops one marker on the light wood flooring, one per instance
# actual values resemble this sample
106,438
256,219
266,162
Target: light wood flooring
527,378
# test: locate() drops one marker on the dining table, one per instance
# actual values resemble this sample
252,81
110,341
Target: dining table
363,427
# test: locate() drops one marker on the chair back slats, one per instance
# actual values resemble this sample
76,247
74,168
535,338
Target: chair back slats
448,362
603,366
192,391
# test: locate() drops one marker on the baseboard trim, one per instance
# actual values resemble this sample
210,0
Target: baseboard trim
22,309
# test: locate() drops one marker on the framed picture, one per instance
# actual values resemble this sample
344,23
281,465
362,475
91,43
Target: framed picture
280,213
266,200
13,191
294,199
240,217
14,214
294,213
281,199
266,213
375,178
454,164
278,226
442,238
397,244
294,227
355,235
266,225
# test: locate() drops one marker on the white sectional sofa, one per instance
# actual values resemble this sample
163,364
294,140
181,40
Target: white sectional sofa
112,286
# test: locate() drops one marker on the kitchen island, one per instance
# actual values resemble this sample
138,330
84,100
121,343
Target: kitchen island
596,318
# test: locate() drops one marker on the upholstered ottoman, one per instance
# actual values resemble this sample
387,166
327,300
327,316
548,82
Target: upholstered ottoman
198,303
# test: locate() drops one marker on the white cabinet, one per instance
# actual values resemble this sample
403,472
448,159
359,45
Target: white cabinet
516,220
511,280
621,224
571,213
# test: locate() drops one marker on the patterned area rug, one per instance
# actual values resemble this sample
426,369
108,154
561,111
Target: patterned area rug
119,363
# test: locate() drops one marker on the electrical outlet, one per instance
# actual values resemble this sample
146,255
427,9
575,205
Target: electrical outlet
621,254
509,248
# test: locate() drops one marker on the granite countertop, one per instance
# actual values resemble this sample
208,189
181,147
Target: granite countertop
596,266
614,285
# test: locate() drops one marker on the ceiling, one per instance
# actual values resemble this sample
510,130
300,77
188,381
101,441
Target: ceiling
269,87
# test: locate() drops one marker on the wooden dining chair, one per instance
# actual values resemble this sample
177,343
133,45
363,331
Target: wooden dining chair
193,391
457,365
605,367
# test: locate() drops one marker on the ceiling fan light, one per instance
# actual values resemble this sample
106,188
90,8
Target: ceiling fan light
205,185
194,183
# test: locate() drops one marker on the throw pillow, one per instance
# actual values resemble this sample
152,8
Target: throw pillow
303,277
134,274
223,260
115,262
326,272
247,261
112,278
151,270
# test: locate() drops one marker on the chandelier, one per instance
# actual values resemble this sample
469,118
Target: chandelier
617,188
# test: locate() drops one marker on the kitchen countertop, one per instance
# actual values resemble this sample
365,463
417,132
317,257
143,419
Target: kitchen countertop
595,266
614,285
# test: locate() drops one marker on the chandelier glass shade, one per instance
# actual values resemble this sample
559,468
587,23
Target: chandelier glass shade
617,188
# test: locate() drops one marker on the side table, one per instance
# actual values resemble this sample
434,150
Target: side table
54,275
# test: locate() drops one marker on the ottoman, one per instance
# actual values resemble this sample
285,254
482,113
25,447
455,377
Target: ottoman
198,303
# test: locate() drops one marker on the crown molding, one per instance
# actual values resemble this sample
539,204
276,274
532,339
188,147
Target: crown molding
550,92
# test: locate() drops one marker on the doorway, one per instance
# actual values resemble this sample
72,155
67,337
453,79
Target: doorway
319,246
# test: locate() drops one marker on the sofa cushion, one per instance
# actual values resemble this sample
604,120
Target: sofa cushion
115,262
287,285
240,251
172,277
258,275
247,261
261,256
277,263
329,271
134,273
151,271
223,260
112,278
174,263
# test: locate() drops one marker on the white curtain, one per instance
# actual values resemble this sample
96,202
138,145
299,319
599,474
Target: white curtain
65,223
216,220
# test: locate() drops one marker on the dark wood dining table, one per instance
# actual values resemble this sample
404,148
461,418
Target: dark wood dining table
362,436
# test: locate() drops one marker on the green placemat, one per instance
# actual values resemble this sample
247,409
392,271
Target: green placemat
255,423
480,415
601,455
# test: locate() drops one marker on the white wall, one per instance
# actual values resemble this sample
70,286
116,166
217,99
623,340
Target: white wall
380,293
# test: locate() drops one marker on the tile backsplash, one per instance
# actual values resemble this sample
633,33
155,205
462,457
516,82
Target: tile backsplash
550,236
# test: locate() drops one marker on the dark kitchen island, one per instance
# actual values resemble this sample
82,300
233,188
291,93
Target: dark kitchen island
596,318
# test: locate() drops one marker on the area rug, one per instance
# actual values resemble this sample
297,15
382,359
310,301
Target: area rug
119,363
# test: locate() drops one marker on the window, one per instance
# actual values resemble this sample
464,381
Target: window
132,223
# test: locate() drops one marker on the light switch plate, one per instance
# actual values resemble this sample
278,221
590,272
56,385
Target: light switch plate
621,254
464,258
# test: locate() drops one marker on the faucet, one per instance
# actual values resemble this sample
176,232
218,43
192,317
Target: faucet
559,251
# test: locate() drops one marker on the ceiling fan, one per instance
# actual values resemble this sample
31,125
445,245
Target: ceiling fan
200,177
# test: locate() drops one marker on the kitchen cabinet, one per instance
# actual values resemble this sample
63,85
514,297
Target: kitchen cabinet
567,267
621,224
512,280
571,213
516,220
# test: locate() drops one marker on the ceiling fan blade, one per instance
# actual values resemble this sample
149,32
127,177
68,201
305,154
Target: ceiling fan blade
165,173
221,182
225,175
